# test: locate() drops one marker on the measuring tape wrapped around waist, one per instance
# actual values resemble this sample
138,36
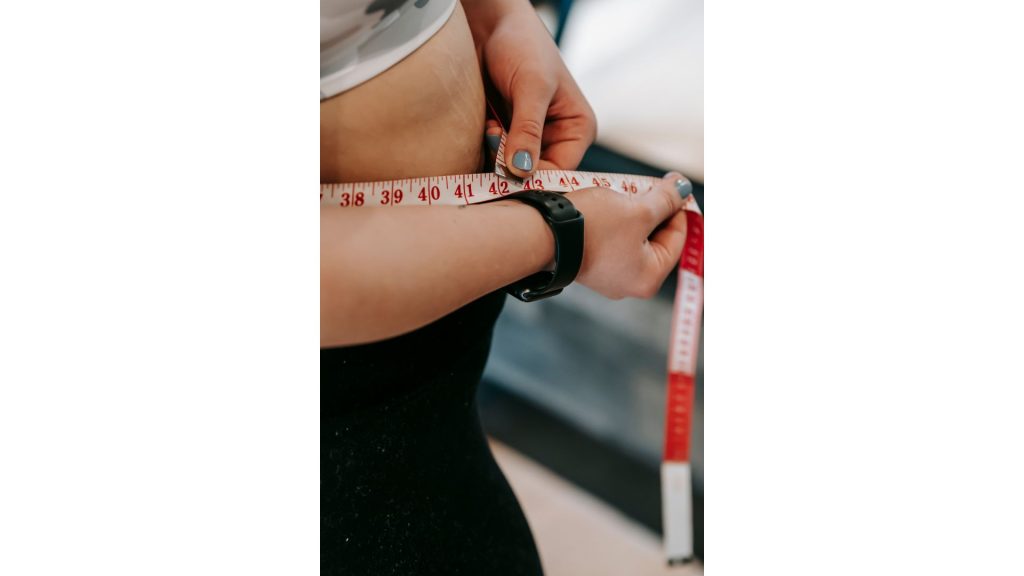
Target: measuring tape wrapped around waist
465,189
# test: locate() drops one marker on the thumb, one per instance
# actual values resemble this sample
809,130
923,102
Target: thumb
530,100
667,197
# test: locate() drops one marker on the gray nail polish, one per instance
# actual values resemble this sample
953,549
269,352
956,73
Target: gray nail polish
493,141
523,161
684,187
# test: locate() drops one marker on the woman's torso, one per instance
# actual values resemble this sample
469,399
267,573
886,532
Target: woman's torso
408,483
421,117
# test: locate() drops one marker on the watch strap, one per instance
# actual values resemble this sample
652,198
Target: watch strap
566,223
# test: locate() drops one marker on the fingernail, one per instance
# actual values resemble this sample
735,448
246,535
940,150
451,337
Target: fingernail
683,186
493,141
523,161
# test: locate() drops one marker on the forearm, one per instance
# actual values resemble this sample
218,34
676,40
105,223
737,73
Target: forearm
385,272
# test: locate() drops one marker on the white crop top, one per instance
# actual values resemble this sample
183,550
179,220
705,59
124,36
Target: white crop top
362,38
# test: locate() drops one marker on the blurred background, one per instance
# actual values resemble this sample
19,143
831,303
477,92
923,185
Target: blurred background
574,394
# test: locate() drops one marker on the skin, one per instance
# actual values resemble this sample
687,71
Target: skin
422,117
384,272
550,118
427,111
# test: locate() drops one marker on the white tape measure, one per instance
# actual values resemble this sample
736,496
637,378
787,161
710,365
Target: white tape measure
464,189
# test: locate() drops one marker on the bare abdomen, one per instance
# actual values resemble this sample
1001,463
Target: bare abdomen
422,117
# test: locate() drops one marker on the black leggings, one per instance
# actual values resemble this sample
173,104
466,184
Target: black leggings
408,484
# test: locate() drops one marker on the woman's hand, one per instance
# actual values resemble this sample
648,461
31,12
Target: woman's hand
552,123
632,242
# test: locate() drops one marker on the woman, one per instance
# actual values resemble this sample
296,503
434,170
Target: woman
409,296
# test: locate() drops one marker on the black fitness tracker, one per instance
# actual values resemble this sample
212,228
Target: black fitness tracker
566,224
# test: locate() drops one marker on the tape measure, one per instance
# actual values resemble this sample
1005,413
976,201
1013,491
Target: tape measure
465,189
676,486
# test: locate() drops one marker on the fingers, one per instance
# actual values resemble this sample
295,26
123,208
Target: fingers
667,219
573,140
530,100
667,198
492,133
566,139
666,245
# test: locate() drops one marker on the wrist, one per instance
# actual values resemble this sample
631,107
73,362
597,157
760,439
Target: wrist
535,235
566,225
